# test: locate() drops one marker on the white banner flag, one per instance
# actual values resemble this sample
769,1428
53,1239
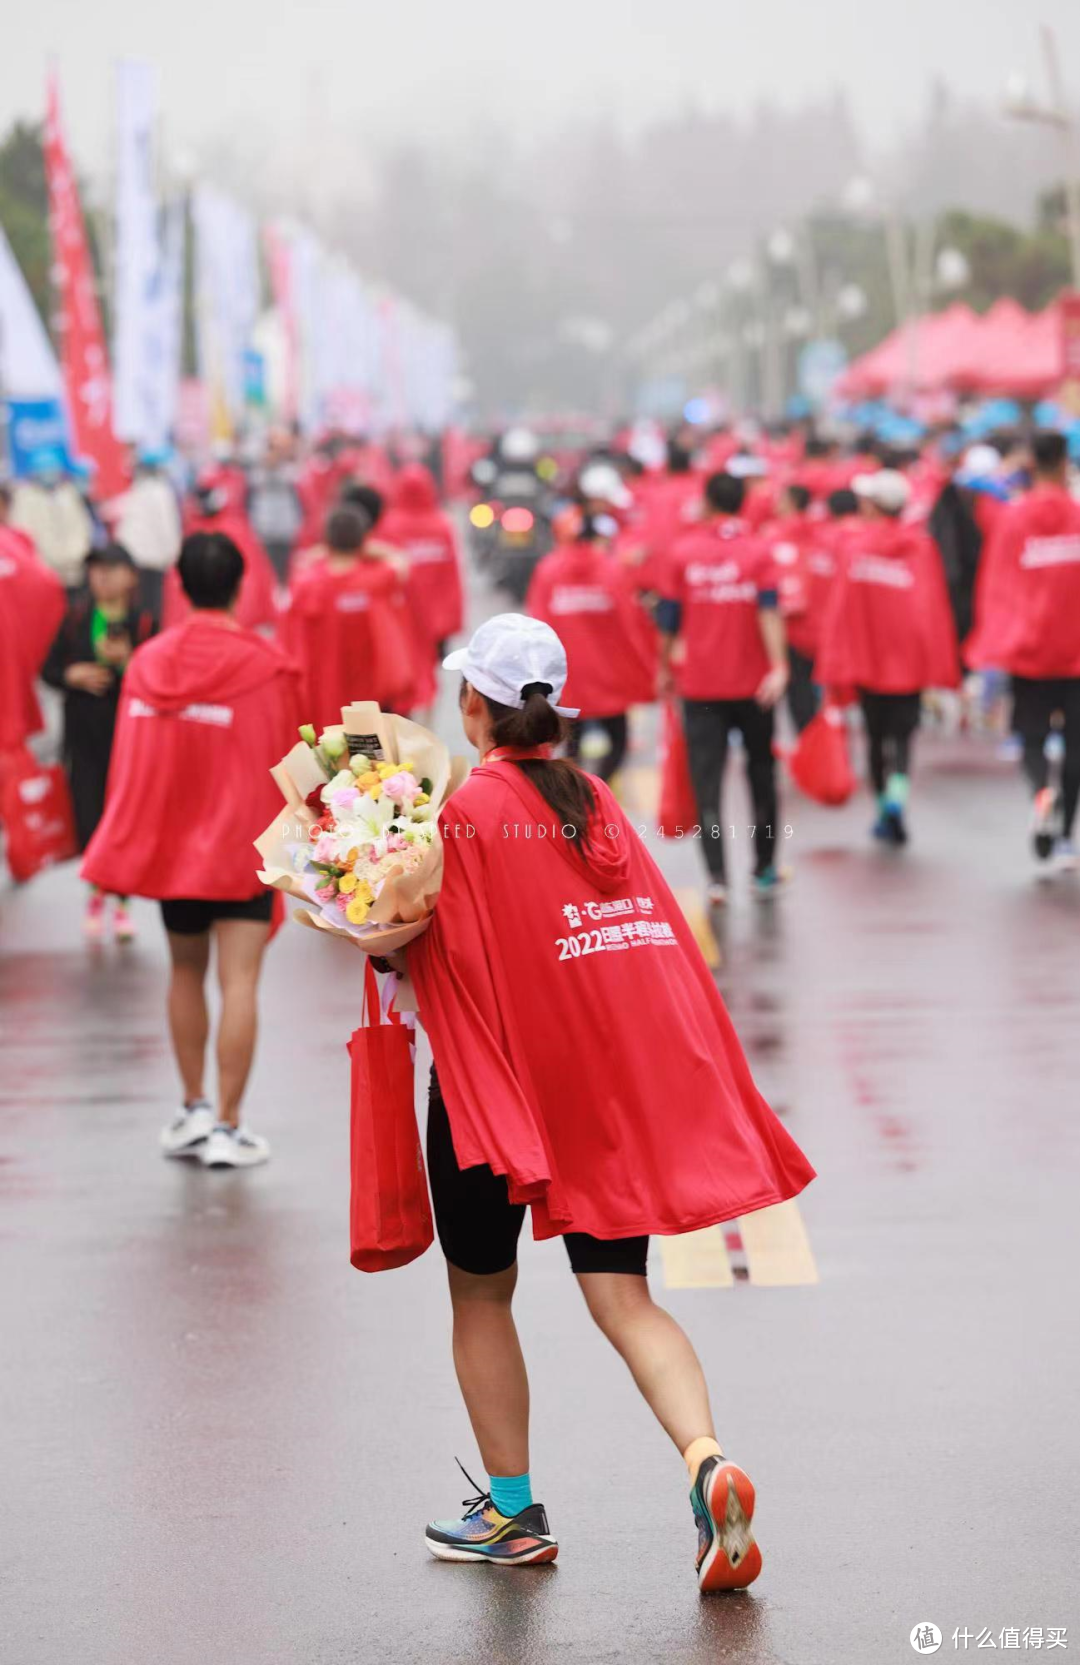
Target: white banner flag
136,347
227,286
165,339
28,367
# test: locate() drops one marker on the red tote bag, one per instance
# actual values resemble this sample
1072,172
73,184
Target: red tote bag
819,761
389,1212
678,803
36,813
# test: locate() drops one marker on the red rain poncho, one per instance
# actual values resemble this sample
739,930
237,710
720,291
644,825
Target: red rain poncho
588,597
719,574
888,626
31,607
255,604
207,709
351,635
1027,593
581,1044
415,525
805,568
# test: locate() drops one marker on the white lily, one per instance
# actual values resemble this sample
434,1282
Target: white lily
371,817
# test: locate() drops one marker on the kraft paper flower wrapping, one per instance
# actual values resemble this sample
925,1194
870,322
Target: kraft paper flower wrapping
407,890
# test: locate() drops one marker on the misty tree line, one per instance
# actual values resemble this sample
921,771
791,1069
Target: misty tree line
548,256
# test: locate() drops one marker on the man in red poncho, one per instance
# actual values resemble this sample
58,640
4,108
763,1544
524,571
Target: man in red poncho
723,636
348,626
416,526
207,709
888,631
588,597
32,602
1027,622
213,509
584,1066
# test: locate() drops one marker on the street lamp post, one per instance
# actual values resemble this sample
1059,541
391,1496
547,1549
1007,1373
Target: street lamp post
1023,107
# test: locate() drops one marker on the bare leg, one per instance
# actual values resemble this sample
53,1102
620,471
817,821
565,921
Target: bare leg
661,1359
189,1023
490,1368
240,947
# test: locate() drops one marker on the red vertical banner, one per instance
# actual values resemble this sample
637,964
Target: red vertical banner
83,360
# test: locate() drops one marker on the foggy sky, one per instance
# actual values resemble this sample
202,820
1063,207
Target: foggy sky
300,76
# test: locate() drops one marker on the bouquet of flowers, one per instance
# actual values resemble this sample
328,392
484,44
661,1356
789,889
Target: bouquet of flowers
359,841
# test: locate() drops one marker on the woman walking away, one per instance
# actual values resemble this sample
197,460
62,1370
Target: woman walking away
87,662
585,1067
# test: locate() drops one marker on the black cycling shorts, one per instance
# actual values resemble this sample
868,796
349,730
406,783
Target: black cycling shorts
479,1226
188,917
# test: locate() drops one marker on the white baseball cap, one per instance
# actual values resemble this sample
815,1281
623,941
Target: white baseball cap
508,653
887,490
601,482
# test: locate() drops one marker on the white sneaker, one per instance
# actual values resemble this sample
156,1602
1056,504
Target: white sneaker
234,1147
716,894
189,1130
1066,858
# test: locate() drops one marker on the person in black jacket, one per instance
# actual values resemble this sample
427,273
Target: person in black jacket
100,632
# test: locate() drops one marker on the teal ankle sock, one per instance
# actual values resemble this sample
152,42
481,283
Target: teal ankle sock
511,1493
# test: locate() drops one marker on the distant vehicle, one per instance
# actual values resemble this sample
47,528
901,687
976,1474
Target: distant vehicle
510,524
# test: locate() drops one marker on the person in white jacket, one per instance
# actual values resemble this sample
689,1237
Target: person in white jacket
148,524
49,507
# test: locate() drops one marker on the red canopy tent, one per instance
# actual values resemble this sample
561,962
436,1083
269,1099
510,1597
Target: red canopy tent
1006,350
1018,352
918,355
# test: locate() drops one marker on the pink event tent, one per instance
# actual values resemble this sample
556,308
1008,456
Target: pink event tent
1006,350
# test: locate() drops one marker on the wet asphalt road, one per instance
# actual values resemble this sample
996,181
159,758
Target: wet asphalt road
222,1444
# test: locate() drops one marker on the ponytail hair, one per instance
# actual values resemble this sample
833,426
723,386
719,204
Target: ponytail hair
564,788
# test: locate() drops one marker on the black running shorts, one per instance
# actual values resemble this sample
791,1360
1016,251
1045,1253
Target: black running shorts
188,917
479,1226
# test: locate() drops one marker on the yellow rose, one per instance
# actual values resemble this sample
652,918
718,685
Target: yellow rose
408,765
375,791
357,911
347,882
368,780
386,770
364,891
421,798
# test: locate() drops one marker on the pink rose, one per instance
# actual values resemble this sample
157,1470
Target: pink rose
402,787
396,841
326,893
324,849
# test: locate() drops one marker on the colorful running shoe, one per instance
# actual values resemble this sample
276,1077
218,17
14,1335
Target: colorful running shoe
483,1534
94,916
723,1503
122,923
890,827
1045,819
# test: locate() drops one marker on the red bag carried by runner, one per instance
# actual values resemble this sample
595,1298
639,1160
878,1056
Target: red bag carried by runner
819,760
389,1213
36,814
678,803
